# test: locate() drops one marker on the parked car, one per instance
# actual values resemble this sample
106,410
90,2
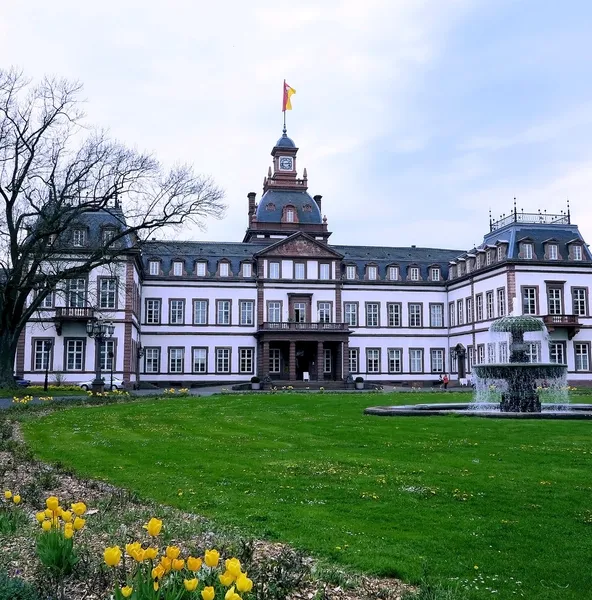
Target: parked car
20,382
117,383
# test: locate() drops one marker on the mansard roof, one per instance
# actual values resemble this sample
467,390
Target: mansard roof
273,202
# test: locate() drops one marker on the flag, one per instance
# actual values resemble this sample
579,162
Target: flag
288,92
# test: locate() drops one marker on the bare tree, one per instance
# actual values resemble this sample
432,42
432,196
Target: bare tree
54,173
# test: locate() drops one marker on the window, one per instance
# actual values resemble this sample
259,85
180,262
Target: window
245,360
373,360
372,272
247,269
436,315
529,301
299,271
453,361
372,309
327,362
350,272
580,301
200,360
416,360
107,293
108,235
74,355
78,238
414,315
577,253
289,215
393,273
468,265
200,312
77,293
274,360
435,273
324,310
176,359
350,310
200,269
223,312
527,251
224,269
582,353
554,302
353,360
459,312
488,258
47,302
480,354
324,271
470,358
42,359
247,312
489,304
107,355
395,360
437,360
274,312
177,268
479,262
491,352
501,302
557,353
393,310
152,360
414,273
503,352
153,312
154,267
533,352
274,270
451,314
500,253
300,312
176,312
479,307
469,311
553,252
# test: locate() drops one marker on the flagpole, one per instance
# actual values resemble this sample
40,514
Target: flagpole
284,104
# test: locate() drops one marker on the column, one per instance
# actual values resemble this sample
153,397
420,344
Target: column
339,362
292,361
345,354
265,360
320,361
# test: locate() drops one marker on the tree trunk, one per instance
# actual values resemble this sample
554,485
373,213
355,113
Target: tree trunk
8,346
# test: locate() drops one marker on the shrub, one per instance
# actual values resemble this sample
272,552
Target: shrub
12,588
359,379
255,379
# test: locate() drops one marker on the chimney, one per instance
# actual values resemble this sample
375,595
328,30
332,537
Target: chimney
251,196
318,199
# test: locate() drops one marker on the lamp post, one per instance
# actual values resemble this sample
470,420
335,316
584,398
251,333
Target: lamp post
99,330
48,345
111,361
139,356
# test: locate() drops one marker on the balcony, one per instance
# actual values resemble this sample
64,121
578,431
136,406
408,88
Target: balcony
569,322
72,313
289,326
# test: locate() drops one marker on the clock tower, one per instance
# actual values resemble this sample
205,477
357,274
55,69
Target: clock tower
284,167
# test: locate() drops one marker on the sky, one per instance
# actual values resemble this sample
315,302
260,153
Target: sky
414,118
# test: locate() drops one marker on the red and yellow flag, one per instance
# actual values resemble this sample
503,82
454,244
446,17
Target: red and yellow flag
288,93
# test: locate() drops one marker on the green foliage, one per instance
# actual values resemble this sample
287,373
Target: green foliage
56,553
12,588
12,518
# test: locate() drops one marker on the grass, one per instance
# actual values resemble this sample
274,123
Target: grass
486,504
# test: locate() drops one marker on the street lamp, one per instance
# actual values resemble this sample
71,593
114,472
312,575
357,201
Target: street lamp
48,345
99,330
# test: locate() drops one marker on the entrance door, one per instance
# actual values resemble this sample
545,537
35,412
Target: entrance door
300,312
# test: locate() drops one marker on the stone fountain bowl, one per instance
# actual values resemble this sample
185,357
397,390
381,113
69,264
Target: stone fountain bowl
511,371
521,323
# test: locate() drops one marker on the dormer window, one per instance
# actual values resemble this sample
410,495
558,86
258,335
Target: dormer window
435,273
527,251
177,268
452,272
247,270
224,269
577,252
108,235
289,215
488,258
469,265
372,272
154,267
78,238
479,261
553,251
414,273
350,272
500,253
200,268
393,273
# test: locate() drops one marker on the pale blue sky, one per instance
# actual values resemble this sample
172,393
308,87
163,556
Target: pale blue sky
413,117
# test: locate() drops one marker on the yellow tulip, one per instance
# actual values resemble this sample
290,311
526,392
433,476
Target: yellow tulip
79,508
126,591
233,566
153,527
16,499
173,552
68,531
155,586
66,516
243,583
8,494
52,503
58,511
166,563
158,572
151,553
48,513
190,584
230,594
139,555
112,556
40,516
208,593
131,548
46,525
193,564
177,564
78,523
212,558
226,578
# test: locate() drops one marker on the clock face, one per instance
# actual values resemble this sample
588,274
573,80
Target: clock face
286,163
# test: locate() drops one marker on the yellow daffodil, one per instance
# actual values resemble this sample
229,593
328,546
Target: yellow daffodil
78,523
79,508
52,503
208,593
66,515
193,564
233,566
126,591
158,572
153,527
243,583
212,557
8,494
112,556
16,499
173,552
40,516
151,553
46,525
177,564
68,531
226,578
190,584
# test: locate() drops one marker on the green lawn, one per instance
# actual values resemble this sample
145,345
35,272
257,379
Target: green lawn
500,505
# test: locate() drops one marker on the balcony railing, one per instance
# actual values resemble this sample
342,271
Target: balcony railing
561,320
522,217
74,312
293,326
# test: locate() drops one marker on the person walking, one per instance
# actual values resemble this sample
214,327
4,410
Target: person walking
445,381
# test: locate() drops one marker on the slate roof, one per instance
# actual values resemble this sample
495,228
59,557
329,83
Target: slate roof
272,203
285,142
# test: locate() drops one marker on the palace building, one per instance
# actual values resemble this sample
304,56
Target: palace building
287,303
